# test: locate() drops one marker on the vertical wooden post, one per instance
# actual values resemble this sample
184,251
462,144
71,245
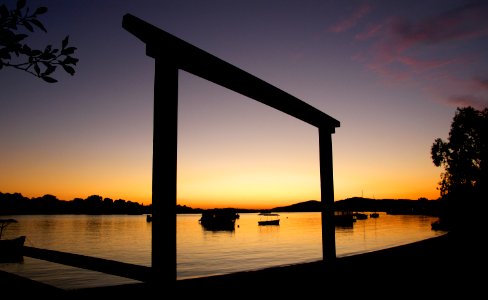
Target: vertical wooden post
165,137
327,195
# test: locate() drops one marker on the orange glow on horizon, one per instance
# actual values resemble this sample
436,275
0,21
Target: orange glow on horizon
247,188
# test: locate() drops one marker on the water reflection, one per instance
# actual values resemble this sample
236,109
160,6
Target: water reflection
297,239
268,229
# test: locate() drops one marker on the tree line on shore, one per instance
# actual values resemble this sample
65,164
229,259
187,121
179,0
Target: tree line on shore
17,204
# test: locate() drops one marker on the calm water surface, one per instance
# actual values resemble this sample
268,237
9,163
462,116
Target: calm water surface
199,252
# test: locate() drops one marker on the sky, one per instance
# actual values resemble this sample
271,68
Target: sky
392,72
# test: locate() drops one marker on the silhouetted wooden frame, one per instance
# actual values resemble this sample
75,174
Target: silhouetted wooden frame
172,54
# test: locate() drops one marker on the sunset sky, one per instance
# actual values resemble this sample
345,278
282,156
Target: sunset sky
392,72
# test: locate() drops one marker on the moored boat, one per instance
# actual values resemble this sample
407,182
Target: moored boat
360,216
269,219
219,219
11,250
344,218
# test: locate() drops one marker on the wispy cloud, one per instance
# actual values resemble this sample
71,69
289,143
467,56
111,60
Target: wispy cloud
464,22
481,83
399,35
351,20
468,100
372,30
400,49
455,91
419,65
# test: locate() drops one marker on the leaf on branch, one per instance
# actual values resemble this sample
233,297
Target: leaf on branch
69,70
5,55
4,12
7,37
49,70
38,24
47,56
28,26
65,42
40,10
26,49
49,79
70,60
20,4
69,50
37,69
20,37
36,52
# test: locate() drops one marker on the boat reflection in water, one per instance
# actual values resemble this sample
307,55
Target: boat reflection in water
269,219
219,219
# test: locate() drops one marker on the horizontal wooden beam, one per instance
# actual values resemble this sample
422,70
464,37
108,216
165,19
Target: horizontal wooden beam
132,271
162,45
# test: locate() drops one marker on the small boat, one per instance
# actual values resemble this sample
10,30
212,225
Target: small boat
11,250
269,219
148,218
374,215
344,218
360,216
219,219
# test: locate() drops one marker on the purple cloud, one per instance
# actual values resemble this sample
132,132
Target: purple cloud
400,49
371,31
468,100
352,20
481,83
464,22
419,65
462,92
400,35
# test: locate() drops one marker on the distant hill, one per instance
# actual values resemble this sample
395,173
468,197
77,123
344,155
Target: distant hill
307,206
391,206
356,204
183,209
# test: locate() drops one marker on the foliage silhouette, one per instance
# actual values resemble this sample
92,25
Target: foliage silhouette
16,204
15,53
464,158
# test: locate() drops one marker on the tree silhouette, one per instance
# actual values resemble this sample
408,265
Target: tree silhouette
464,158
15,53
